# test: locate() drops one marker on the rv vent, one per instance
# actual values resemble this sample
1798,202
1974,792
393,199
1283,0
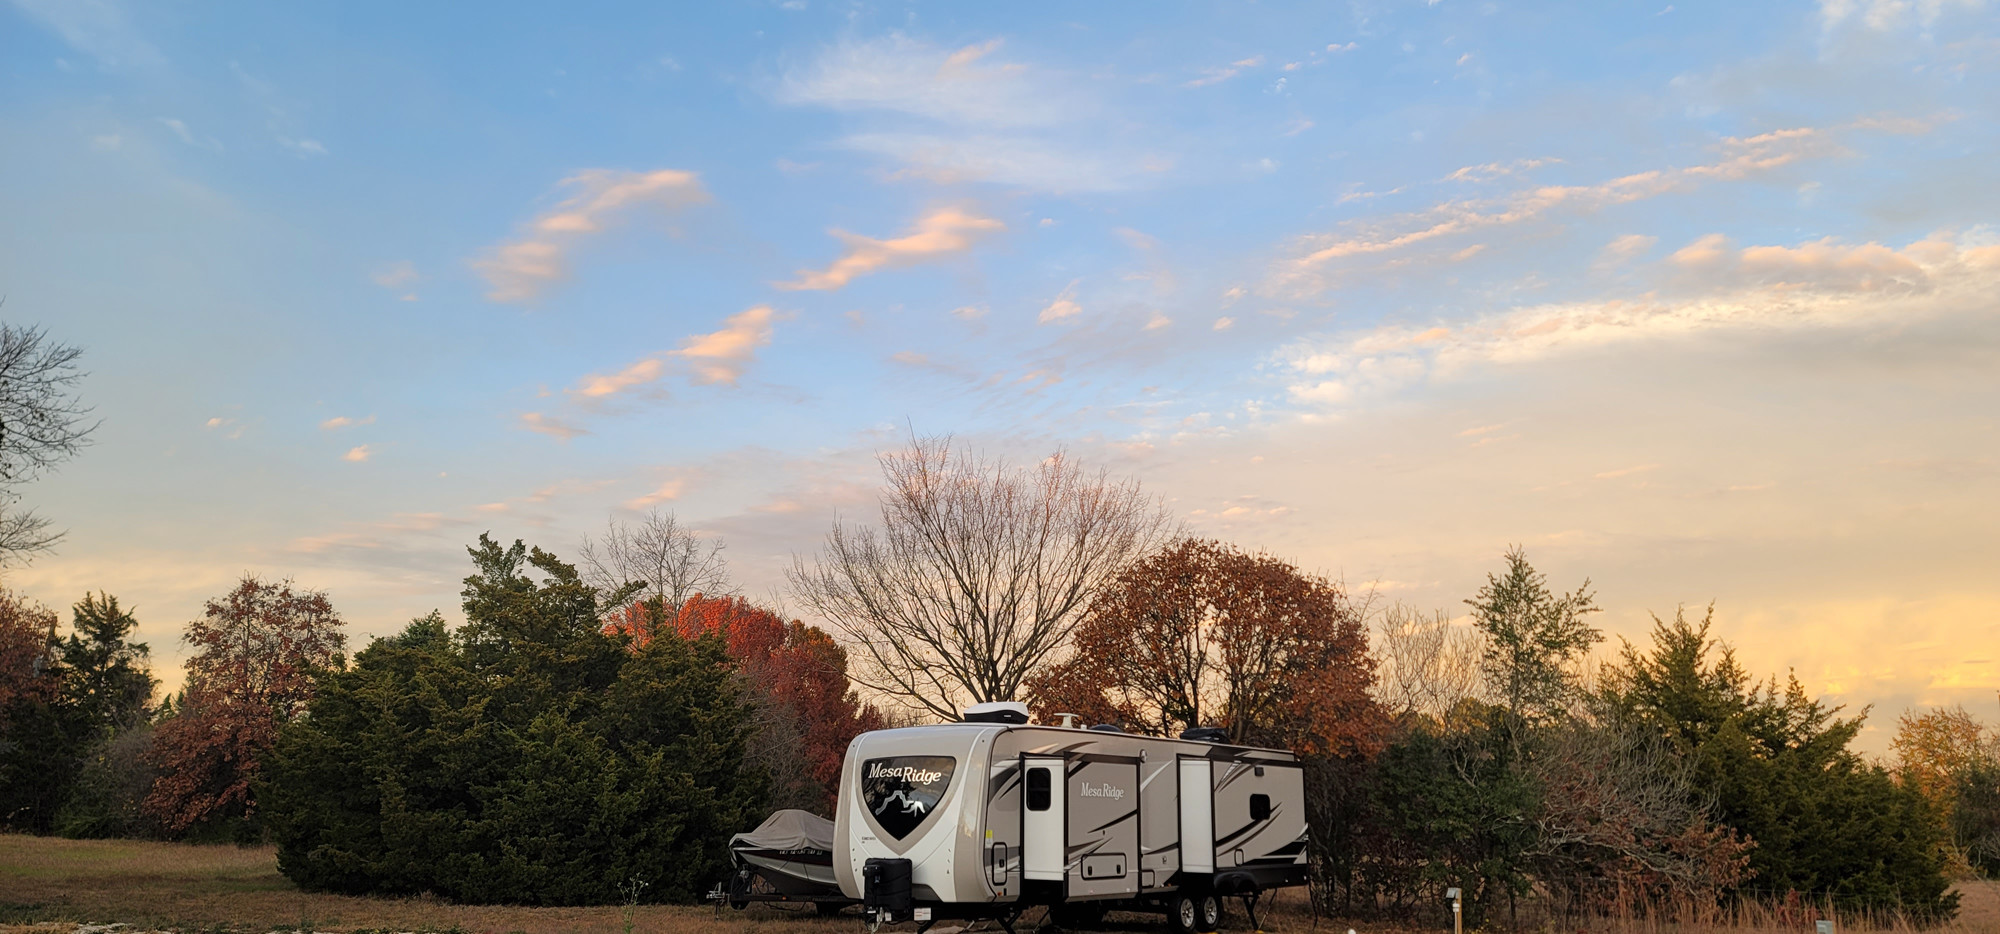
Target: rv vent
1107,728
1206,734
996,712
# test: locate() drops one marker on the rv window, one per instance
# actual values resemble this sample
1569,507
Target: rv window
1260,807
1038,789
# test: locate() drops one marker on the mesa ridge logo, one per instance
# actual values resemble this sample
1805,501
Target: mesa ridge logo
909,773
1105,790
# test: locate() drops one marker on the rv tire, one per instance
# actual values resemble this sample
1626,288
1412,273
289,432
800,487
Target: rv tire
1184,914
1209,918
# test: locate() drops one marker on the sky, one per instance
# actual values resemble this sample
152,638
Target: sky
1700,302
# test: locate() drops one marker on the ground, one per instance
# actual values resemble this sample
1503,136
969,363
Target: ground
55,886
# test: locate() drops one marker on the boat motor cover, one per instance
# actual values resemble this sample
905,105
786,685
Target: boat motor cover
788,830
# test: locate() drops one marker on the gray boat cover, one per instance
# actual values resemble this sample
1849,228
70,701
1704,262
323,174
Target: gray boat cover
788,830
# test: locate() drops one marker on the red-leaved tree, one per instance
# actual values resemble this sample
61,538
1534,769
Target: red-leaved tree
27,657
798,678
256,649
1202,633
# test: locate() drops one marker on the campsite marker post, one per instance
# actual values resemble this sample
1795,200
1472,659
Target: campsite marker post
1456,915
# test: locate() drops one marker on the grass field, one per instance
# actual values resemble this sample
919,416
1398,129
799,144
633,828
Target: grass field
51,886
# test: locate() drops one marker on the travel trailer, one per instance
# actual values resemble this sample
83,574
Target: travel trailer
989,817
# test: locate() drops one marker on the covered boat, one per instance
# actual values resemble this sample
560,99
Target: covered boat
789,857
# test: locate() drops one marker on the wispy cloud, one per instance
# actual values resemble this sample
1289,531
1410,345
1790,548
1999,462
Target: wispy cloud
521,269
98,28
1740,158
719,356
1220,74
1886,15
1820,285
939,234
356,454
665,493
343,421
1062,306
960,114
550,425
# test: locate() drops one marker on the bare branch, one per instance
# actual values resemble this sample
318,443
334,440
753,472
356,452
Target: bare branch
671,560
979,572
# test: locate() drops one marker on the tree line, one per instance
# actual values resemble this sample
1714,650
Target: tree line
618,718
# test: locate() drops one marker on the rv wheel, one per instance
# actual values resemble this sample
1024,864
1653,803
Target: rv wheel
1211,914
1184,914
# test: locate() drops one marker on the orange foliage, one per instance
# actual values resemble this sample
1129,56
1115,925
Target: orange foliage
1202,633
256,650
27,634
799,667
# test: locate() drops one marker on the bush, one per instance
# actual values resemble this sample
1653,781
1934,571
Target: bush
526,758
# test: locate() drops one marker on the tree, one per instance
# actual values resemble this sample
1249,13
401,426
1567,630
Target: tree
109,682
1428,665
1777,765
1947,756
41,425
797,675
1203,633
1534,638
528,757
32,741
257,649
979,573
670,559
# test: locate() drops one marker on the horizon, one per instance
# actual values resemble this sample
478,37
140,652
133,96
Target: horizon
1693,300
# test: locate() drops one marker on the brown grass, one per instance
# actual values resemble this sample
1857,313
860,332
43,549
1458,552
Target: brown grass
49,886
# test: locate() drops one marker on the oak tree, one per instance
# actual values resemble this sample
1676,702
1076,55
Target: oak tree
256,650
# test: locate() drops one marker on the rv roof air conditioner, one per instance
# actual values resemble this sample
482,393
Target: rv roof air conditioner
996,712
1206,734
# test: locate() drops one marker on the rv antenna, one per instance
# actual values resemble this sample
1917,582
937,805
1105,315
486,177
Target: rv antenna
1068,720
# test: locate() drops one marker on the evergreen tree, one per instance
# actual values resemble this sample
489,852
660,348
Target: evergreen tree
1534,637
527,757
1776,762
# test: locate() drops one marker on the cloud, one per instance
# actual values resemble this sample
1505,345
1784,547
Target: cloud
1220,74
1624,249
550,425
1740,158
396,275
1818,286
969,312
720,356
520,270
665,492
1224,323
342,421
959,114
1492,170
356,454
1063,306
1886,15
599,386
941,233
97,28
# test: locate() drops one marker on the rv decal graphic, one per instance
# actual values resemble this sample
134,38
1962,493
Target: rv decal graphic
901,791
1100,790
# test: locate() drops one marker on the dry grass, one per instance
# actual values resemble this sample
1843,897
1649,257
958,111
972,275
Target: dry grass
50,886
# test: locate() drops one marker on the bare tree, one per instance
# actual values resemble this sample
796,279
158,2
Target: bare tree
672,560
41,424
1427,664
979,573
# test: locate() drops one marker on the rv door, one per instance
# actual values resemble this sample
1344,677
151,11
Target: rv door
1197,816
1042,824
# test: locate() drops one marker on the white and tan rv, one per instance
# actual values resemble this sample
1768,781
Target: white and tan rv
992,816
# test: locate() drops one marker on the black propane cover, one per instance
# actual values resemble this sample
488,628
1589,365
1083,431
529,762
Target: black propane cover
885,890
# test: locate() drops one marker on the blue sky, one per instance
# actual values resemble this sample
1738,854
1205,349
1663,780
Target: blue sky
1695,299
